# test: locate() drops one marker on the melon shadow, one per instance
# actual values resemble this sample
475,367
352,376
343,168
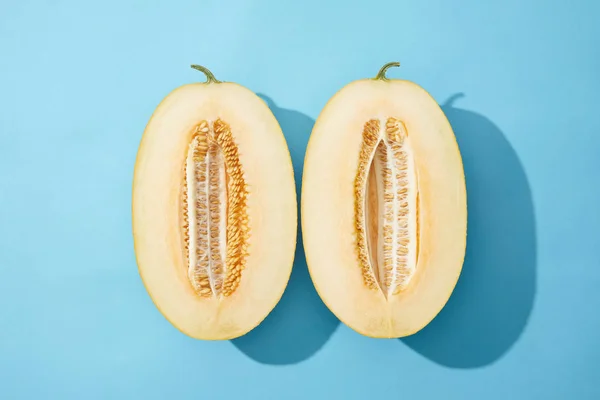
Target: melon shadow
300,324
494,296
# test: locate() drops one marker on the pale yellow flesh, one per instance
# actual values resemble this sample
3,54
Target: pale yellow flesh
272,210
328,208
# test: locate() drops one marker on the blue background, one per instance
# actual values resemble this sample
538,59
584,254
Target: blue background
519,81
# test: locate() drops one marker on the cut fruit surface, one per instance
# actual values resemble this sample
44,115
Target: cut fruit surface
384,213
214,209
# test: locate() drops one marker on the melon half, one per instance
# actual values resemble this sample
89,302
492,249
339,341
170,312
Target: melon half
214,209
384,213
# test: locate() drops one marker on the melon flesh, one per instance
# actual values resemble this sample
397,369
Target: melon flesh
384,207
214,210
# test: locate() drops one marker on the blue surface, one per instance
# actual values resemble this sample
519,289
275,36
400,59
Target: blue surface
79,81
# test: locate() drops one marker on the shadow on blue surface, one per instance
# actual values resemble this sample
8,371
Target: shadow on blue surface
494,296
300,324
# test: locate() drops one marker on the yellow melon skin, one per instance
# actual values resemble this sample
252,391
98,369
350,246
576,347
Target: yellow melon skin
271,209
328,207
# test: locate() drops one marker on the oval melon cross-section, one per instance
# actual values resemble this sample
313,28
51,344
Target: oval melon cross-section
384,207
214,209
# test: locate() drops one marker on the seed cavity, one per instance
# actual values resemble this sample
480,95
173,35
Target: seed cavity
386,207
214,220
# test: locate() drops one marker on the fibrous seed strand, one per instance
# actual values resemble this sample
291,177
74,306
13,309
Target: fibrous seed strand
213,209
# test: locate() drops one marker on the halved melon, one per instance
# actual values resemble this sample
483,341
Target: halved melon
214,209
383,207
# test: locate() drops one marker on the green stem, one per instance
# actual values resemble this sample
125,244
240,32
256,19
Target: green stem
210,78
381,74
